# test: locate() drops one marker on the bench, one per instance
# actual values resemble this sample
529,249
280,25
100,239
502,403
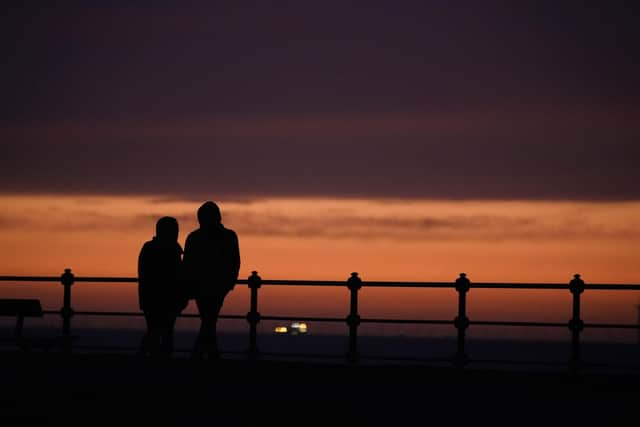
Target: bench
21,308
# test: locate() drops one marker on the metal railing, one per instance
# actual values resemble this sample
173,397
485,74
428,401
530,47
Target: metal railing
353,320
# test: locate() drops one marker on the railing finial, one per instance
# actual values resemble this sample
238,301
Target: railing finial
576,286
254,280
354,283
463,284
67,278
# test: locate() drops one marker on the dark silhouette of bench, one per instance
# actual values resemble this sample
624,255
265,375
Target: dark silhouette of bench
20,309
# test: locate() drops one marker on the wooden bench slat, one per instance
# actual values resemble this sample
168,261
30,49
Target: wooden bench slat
21,307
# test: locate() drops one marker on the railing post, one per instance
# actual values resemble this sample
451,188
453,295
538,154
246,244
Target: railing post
67,279
253,316
461,322
638,307
354,283
576,325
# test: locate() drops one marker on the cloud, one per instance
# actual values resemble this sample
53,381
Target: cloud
427,228
516,153
347,219
82,220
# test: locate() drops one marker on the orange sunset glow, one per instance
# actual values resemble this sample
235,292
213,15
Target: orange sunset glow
327,239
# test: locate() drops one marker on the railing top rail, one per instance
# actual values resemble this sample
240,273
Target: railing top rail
388,284
30,278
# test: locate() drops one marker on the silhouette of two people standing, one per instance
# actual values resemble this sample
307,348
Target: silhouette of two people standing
207,272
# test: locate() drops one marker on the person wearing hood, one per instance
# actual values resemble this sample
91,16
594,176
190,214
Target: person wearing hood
160,287
212,264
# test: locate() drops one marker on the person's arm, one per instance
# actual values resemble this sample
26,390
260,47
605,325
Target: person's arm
187,259
142,275
188,274
186,254
235,259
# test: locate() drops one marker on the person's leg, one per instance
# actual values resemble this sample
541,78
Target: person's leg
145,344
215,307
151,341
168,327
206,342
199,345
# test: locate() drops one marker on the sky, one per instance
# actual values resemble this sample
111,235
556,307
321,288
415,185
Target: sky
405,140
374,99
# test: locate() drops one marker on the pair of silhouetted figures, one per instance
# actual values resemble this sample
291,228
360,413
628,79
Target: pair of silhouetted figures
168,278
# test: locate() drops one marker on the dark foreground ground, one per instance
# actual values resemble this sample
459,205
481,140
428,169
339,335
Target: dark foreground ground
84,389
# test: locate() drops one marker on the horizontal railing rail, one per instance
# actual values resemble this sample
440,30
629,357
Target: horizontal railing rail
353,320
338,283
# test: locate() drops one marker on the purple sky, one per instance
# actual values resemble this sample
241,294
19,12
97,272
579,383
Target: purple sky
441,99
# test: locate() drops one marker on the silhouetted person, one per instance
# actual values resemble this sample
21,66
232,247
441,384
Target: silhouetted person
212,263
160,288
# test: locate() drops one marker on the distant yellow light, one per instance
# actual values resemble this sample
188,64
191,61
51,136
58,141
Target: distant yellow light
299,327
281,330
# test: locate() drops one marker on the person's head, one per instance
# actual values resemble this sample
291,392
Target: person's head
209,215
167,229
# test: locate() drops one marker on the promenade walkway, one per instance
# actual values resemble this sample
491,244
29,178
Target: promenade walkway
114,390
